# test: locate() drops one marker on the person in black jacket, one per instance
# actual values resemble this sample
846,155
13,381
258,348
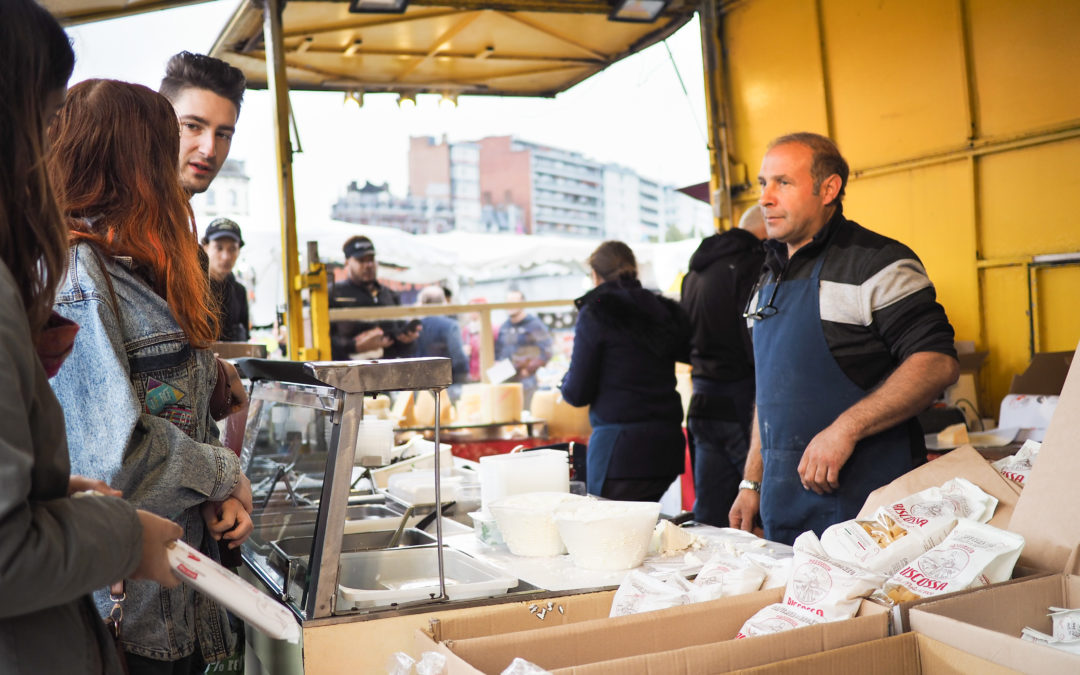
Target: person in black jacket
626,343
389,339
222,243
722,275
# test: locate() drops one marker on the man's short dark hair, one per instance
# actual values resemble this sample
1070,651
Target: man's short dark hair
199,71
827,158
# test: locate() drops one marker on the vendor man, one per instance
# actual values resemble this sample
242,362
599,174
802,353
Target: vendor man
849,345
360,288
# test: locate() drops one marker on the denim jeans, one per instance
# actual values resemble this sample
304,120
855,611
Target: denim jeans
720,450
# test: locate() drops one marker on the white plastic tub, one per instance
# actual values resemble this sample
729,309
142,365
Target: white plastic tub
606,535
526,522
520,472
388,577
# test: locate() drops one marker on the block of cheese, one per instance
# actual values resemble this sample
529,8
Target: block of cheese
474,406
507,401
953,436
543,404
424,409
566,421
377,408
404,410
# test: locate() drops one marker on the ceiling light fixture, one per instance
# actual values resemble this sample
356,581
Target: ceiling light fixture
406,100
378,6
637,11
449,99
356,96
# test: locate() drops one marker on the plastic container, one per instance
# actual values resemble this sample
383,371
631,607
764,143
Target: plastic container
520,472
526,522
384,578
374,442
418,487
485,528
606,535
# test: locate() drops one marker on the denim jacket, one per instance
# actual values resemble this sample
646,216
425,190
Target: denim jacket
135,396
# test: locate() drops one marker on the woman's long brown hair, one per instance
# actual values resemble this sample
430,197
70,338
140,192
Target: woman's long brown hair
114,160
35,60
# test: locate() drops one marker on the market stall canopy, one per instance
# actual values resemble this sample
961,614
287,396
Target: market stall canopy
85,11
448,47
479,257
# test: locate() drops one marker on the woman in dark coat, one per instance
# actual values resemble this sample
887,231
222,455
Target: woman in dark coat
626,343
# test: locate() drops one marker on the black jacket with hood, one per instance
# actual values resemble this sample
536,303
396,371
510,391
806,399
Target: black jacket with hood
721,278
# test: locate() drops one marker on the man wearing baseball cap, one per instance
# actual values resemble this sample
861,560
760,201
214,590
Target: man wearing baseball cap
360,288
222,242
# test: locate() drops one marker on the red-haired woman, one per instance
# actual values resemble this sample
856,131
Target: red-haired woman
54,550
138,387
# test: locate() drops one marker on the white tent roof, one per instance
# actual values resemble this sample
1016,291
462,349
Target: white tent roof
428,258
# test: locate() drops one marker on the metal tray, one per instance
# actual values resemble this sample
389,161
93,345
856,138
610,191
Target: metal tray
294,551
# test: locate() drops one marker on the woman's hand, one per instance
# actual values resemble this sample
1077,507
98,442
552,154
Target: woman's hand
157,534
82,484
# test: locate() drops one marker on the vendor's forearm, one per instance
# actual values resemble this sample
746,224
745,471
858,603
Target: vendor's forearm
911,388
753,470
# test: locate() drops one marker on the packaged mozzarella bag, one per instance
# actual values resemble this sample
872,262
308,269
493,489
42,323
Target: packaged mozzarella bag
1017,467
776,618
640,592
902,531
723,575
1032,635
974,554
777,570
831,589
1066,623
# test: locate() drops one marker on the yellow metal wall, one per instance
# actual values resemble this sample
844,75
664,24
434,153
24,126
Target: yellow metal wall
961,122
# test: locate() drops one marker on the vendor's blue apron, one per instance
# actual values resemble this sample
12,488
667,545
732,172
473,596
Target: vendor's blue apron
606,438
800,391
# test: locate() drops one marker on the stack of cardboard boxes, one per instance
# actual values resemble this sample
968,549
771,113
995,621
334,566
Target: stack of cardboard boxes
965,632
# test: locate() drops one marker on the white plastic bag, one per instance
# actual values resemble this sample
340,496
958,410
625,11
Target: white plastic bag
640,592
722,576
902,531
1032,635
1066,623
776,618
974,554
1017,467
829,588
520,666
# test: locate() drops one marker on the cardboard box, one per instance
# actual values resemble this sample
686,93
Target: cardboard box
963,462
1047,514
527,615
988,622
695,638
909,654
964,394
1033,394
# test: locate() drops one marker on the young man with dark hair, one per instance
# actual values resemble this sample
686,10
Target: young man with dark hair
206,94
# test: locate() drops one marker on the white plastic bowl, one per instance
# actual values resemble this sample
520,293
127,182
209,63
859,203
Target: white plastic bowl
526,524
607,535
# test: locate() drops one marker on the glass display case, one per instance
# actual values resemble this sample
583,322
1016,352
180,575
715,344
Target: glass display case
312,528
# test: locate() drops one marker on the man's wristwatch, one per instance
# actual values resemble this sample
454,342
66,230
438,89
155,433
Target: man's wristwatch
750,485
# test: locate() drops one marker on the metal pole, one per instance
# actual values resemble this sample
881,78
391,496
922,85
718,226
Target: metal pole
277,82
438,497
716,120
